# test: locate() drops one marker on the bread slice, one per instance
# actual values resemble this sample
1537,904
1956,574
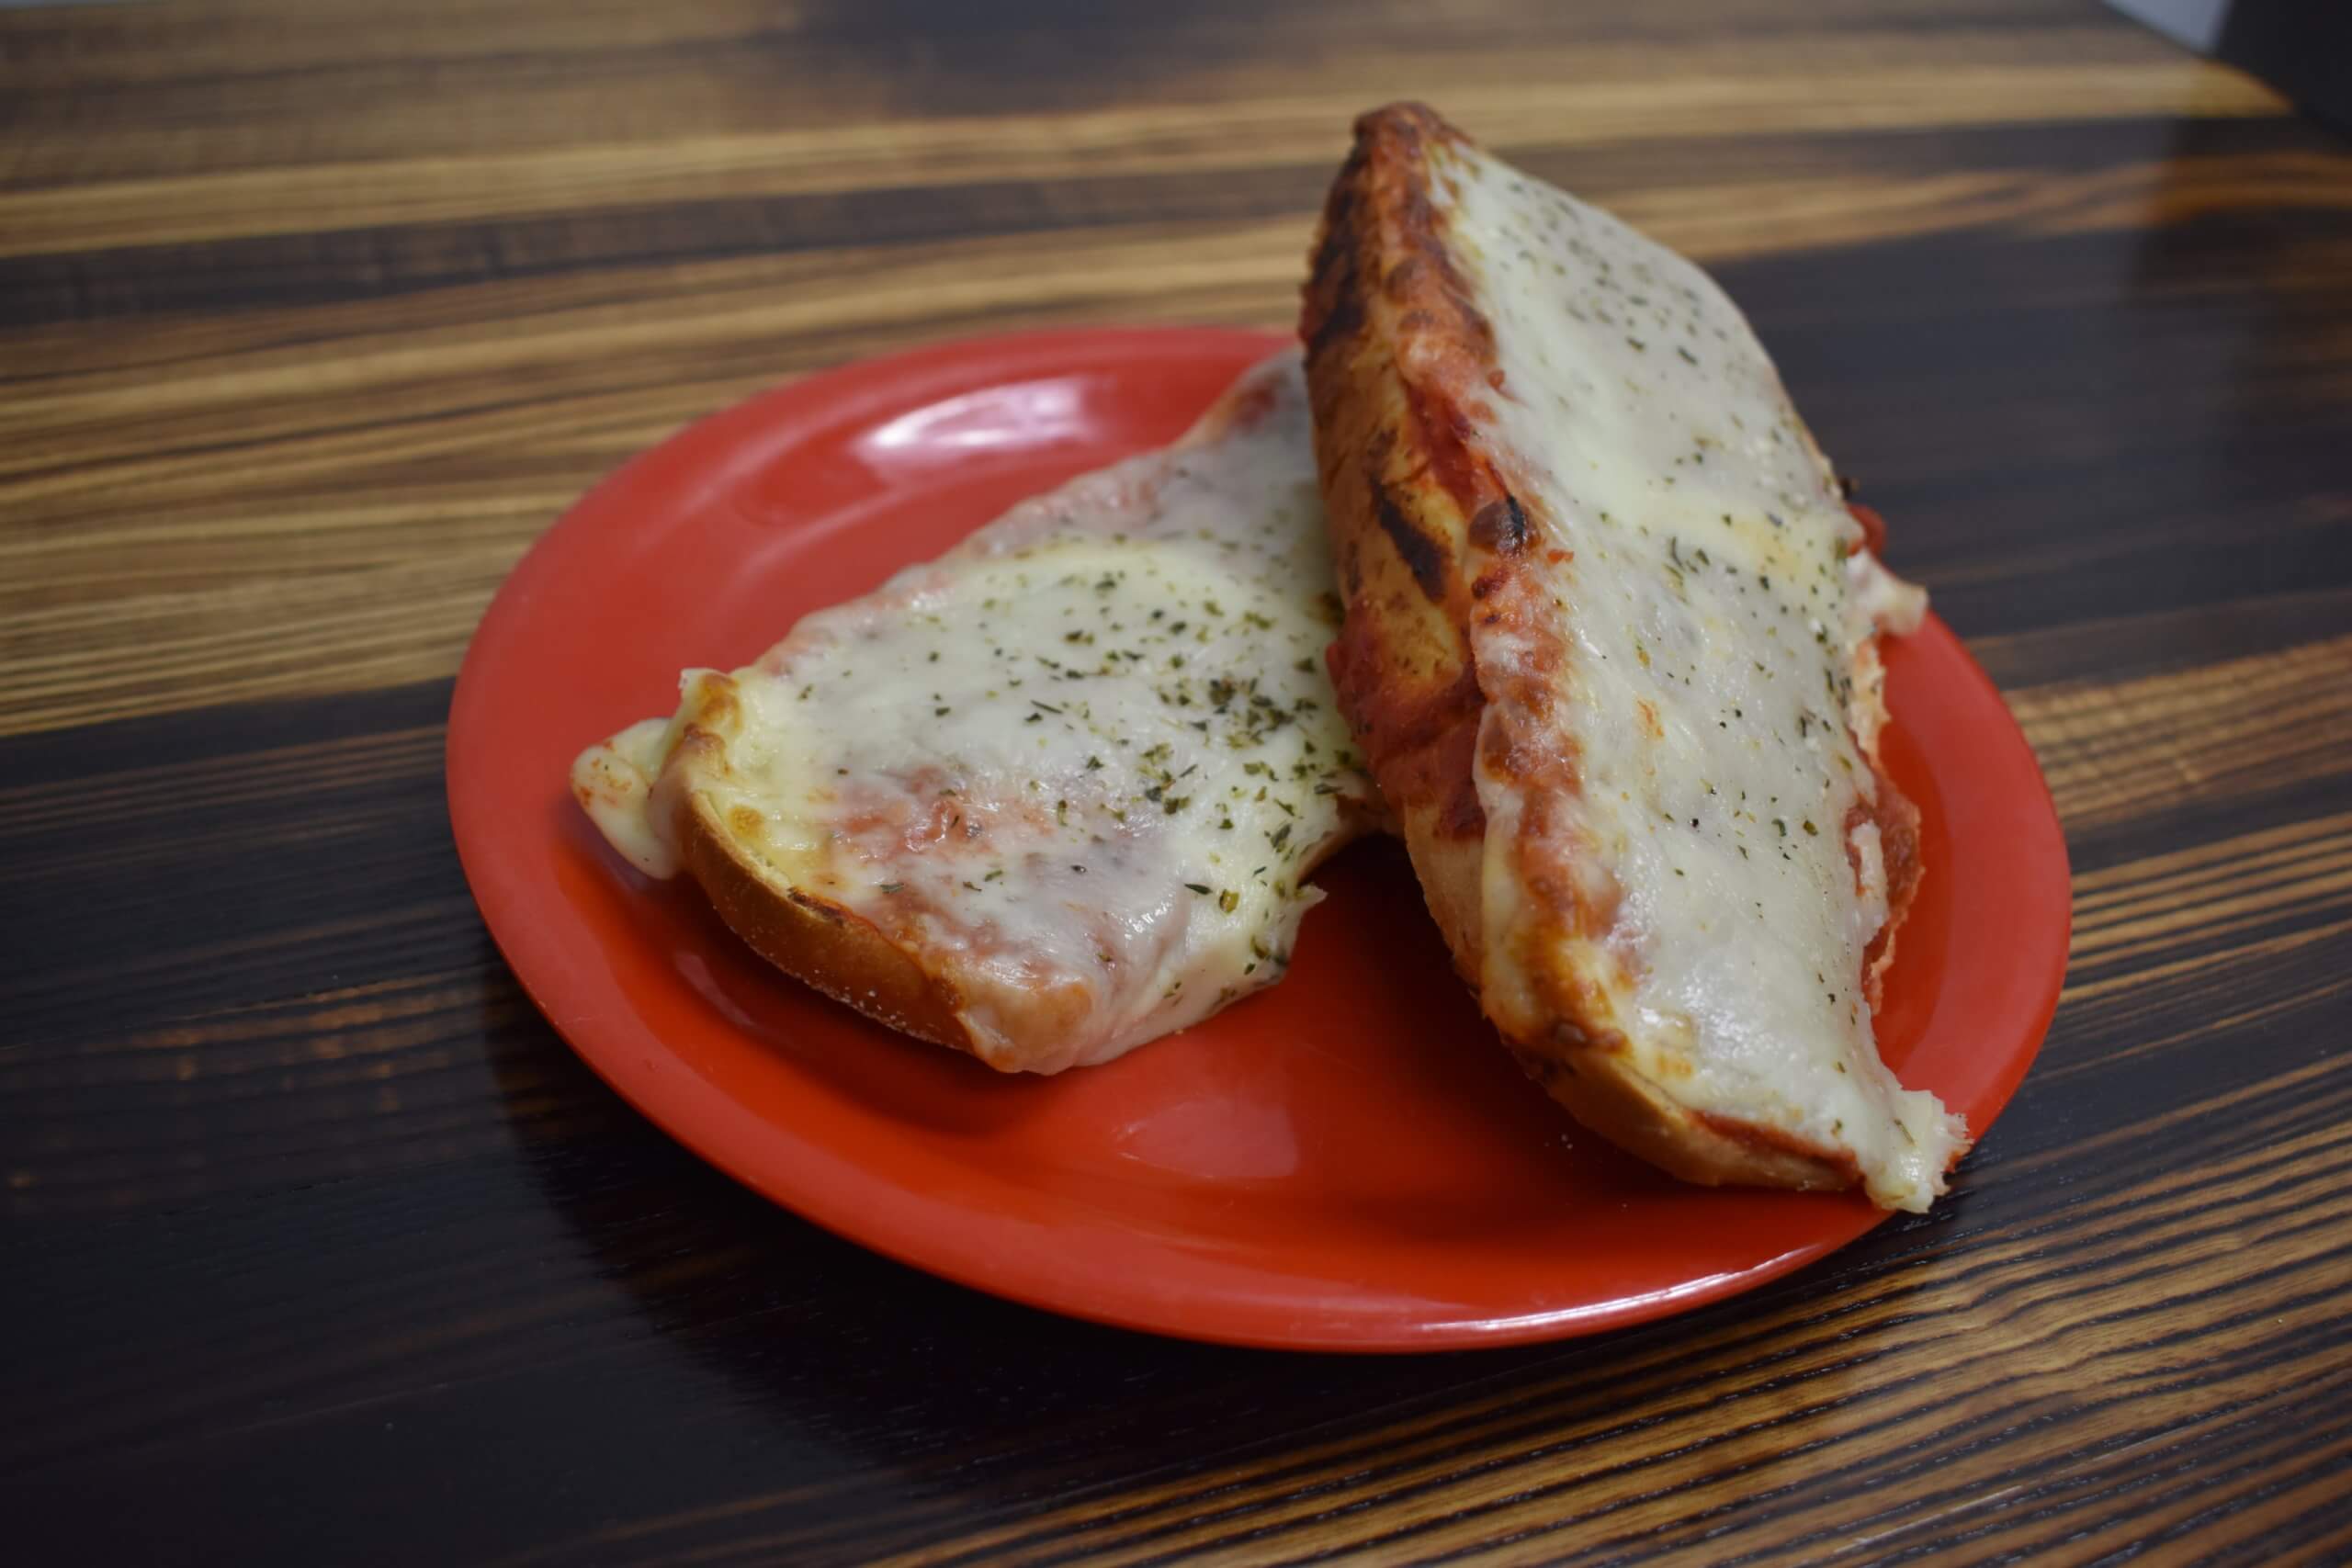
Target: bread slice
1611,649
1052,794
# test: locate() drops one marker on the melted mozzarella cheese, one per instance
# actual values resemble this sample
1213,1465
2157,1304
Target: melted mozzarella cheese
1076,766
1721,622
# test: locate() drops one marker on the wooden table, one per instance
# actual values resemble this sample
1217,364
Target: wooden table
321,1247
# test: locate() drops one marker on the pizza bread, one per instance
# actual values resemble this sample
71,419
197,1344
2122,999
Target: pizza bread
1052,794
1610,646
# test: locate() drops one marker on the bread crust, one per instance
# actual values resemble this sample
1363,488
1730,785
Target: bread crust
813,938
1426,533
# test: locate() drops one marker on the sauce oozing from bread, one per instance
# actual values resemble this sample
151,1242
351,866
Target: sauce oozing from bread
1077,767
1715,692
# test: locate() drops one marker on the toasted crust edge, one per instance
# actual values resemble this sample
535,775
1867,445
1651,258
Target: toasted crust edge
834,950
815,940
1362,300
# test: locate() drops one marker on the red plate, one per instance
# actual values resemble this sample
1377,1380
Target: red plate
1346,1161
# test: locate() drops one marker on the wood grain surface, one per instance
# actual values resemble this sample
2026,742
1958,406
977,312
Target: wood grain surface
321,1247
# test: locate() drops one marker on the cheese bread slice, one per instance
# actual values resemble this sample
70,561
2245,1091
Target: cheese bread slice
1611,649
1052,794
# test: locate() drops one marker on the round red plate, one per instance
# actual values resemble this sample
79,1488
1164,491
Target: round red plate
1347,1161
